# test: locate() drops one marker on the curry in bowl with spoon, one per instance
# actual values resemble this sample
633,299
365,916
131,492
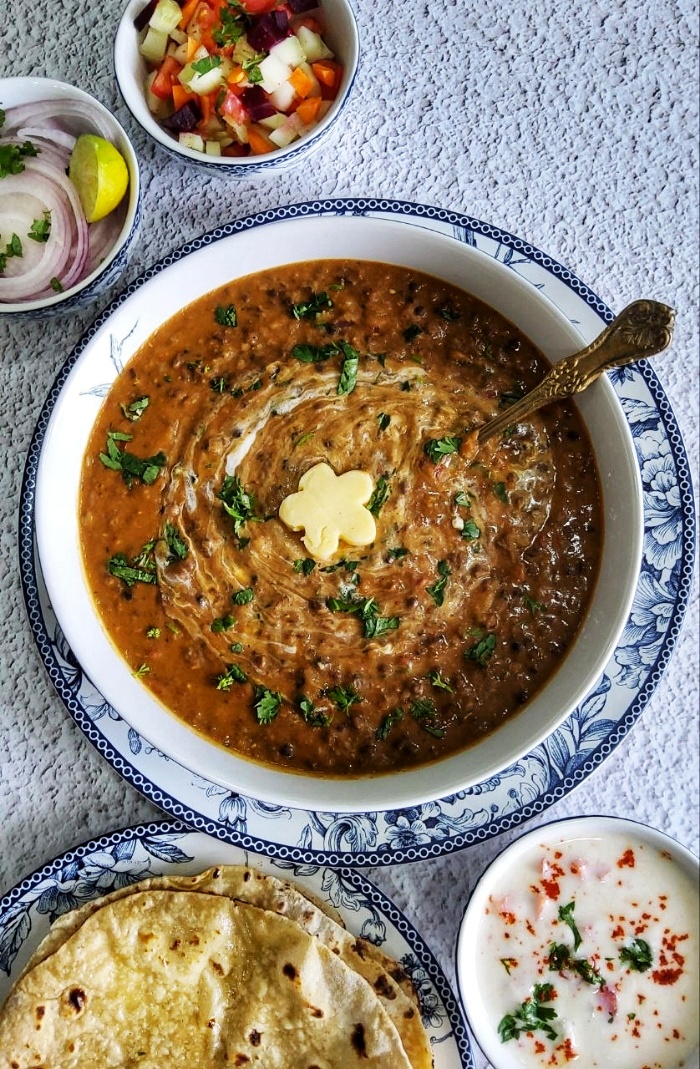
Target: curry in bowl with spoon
294,539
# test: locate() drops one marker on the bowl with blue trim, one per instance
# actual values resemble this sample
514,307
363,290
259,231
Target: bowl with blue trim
250,92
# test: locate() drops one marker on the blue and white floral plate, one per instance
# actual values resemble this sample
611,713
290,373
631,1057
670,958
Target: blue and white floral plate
167,847
525,788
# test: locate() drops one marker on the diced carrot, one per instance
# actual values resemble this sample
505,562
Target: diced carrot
208,105
192,47
180,95
259,142
300,82
164,80
329,72
188,10
237,77
308,109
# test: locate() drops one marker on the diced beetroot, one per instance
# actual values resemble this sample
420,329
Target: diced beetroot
185,118
299,6
257,103
141,20
268,30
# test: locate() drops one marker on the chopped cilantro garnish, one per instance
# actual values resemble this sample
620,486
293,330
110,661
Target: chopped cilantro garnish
423,710
267,704
314,717
464,499
152,632
349,369
380,495
243,596
131,467
135,409
374,625
501,492
437,681
203,66
482,650
437,590
470,531
637,956
437,448
177,547
398,553
531,1016
233,674
131,573
566,914
303,438
40,228
56,285
220,384
225,314
560,959
315,354
12,157
237,502
388,722
532,605
316,304
344,697
142,670
305,565
223,623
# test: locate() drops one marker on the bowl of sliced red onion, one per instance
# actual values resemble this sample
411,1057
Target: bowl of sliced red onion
242,88
52,258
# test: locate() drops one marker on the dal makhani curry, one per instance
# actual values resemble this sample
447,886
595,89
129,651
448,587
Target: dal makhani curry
292,538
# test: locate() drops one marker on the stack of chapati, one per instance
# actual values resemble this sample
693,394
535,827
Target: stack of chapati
229,968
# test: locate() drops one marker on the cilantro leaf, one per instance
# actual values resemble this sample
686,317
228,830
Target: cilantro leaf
266,704
637,956
437,448
225,314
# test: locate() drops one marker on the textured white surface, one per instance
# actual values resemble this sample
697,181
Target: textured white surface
572,125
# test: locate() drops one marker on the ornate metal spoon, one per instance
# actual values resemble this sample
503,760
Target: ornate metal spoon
642,329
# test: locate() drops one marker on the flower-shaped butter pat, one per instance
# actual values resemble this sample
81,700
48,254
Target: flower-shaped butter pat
330,507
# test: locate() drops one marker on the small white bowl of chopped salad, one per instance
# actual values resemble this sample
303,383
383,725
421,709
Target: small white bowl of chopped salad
69,197
239,87
580,943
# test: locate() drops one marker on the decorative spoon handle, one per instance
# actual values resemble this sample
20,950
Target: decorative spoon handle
642,329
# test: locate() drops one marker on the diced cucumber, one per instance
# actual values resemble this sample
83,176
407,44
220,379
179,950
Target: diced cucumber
273,121
273,72
312,44
242,51
289,50
290,129
154,45
206,83
166,16
283,96
212,148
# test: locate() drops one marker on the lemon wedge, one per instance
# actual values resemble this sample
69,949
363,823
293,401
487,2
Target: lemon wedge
100,175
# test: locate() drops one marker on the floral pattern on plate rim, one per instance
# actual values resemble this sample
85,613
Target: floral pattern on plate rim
532,784
167,847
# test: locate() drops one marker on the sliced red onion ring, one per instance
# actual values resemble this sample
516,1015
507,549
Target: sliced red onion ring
75,116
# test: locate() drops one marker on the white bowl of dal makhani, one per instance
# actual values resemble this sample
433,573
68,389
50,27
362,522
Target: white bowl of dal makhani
274,546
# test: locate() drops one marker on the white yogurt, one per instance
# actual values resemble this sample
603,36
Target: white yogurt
580,948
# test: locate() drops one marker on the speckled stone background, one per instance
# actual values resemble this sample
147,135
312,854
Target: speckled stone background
573,125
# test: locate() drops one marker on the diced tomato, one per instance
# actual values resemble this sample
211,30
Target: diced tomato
259,7
233,106
162,85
